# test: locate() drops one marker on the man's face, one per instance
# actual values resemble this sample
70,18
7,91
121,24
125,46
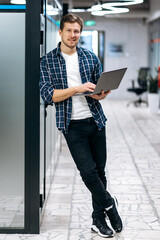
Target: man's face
70,34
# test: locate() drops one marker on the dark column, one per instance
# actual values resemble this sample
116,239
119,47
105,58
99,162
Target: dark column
65,8
32,116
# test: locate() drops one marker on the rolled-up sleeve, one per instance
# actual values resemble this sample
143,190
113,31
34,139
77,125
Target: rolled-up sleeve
46,83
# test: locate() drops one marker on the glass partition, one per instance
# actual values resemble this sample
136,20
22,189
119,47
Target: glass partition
12,81
52,134
49,135
93,40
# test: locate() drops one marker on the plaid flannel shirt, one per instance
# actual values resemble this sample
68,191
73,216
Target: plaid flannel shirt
53,75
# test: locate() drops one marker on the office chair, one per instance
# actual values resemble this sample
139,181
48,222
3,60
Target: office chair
142,82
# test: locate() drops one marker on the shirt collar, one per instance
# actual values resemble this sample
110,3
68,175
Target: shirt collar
58,49
79,50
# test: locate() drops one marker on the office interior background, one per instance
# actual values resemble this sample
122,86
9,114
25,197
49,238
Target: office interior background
30,144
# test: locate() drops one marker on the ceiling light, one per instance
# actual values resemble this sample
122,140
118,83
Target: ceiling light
109,7
124,3
113,7
99,13
96,7
18,1
111,11
76,10
53,12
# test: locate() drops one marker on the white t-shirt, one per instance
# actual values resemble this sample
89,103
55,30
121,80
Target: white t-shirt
80,109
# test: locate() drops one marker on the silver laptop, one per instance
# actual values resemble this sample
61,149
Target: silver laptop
107,81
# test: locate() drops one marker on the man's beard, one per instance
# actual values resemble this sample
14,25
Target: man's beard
69,45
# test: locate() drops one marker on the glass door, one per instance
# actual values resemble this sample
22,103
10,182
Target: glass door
93,40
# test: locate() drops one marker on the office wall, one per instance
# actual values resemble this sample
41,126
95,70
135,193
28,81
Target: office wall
132,34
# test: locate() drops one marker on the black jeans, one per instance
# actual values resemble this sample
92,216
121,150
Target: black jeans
88,148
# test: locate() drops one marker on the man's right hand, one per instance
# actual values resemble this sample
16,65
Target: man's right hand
86,87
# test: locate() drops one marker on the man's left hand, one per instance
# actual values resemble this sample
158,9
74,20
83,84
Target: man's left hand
100,96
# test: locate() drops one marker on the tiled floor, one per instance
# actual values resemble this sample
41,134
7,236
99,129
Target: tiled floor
133,171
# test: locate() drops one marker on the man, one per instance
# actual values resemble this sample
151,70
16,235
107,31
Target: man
66,73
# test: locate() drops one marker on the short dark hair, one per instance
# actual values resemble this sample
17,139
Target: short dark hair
71,18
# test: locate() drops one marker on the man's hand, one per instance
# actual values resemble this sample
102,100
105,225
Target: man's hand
100,96
86,87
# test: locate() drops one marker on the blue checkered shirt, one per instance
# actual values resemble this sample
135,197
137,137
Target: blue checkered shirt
53,75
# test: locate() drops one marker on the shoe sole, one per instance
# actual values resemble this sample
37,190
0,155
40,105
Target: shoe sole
96,230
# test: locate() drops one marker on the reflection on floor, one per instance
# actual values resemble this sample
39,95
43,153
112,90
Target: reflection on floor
133,170
11,211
